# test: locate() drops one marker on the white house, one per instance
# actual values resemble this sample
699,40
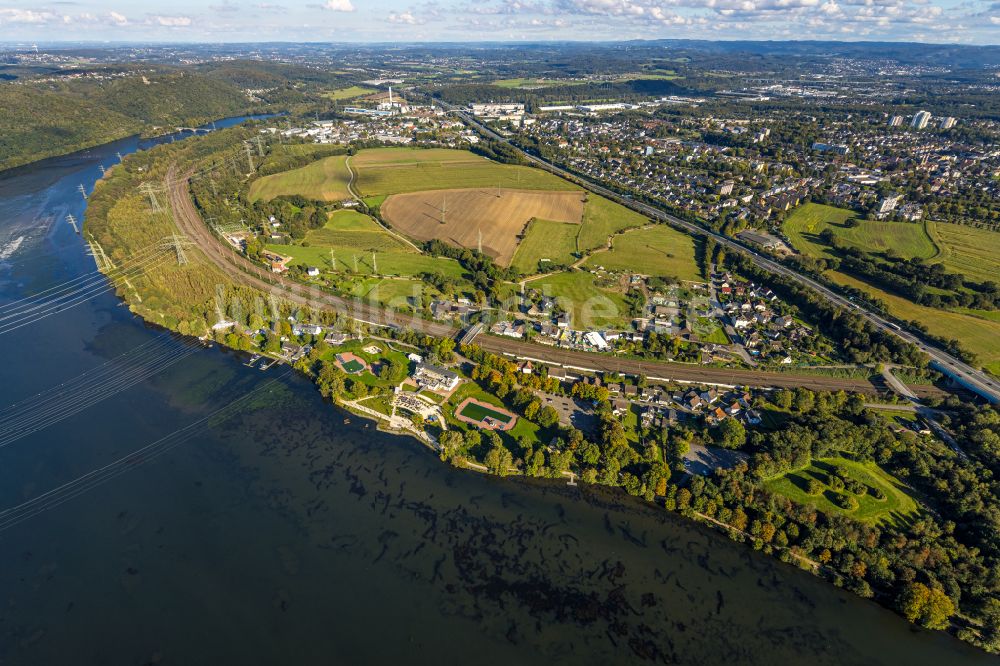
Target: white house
596,340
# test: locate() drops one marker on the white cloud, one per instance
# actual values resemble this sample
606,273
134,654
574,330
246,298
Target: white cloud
405,18
26,16
930,20
171,21
338,6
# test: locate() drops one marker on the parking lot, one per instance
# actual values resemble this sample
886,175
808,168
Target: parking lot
574,412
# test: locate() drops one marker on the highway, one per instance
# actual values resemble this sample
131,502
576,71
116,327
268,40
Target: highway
243,271
971,378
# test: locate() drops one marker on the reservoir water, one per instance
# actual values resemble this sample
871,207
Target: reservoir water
149,527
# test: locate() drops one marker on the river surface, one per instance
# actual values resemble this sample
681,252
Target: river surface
275,531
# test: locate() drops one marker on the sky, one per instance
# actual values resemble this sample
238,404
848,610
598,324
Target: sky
961,21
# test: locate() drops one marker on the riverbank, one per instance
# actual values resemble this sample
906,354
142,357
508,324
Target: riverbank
213,290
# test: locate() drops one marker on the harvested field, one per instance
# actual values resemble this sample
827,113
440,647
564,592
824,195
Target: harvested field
471,211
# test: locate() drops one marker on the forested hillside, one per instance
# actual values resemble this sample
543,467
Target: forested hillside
177,98
39,120
35,124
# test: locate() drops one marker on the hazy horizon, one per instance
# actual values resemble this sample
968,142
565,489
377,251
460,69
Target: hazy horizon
973,22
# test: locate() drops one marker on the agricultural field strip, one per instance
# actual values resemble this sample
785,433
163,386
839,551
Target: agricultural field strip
468,217
325,180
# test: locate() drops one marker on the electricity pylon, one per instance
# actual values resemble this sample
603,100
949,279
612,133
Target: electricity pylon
249,157
177,243
147,189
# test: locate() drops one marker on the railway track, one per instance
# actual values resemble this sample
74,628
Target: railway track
241,270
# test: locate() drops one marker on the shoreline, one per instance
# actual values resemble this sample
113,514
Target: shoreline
661,501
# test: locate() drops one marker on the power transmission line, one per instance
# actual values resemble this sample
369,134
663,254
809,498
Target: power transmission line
147,189
249,157
80,485
82,392
42,310
177,243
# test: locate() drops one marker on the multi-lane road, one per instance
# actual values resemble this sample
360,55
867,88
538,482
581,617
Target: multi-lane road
243,271
971,378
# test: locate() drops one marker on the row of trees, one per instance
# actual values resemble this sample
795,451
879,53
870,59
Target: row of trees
914,278
484,272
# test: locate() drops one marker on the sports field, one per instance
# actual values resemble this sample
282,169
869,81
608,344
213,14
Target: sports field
484,415
383,171
351,363
460,216
353,366
897,507
978,335
324,180
601,218
972,252
659,251
589,305
808,221
546,240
